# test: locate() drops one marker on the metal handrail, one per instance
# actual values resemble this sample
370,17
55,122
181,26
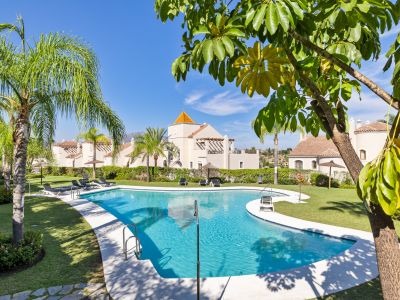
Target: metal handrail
262,191
138,245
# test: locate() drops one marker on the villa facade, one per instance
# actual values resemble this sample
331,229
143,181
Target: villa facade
198,144
367,139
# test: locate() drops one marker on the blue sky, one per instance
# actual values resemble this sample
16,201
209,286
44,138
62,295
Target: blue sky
136,50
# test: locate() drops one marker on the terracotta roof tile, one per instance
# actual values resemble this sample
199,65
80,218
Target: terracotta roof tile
67,144
373,127
315,146
122,147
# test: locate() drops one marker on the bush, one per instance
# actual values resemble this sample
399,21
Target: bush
5,196
27,252
323,180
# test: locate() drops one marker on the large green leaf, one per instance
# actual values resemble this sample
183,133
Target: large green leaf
219,49
258,19
229,46
283,15
208,51
271,18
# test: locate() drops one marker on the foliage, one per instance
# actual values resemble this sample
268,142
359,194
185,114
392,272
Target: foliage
322,180
379,181
5,196
25,253
93,135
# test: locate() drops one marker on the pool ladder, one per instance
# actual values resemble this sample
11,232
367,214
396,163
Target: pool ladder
138,245
263,190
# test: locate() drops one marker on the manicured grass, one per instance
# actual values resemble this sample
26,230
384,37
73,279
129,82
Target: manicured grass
72,253
339,207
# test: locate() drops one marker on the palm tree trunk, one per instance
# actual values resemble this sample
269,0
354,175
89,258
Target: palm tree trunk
94,158
276,150
20,137
6,169
148,168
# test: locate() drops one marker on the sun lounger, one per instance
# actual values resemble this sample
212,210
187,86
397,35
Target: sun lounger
85,183
183,181
215,182
104,181
203,182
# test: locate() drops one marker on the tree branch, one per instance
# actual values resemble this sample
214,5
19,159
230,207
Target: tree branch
380,92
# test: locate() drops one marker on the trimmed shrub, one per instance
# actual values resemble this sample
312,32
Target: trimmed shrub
5,196
27,252
323,180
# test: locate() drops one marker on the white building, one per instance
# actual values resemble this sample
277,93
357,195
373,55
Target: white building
367,139
198,144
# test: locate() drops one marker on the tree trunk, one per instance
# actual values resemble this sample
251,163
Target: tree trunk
20,137
385,237
148,168
6,173
276,150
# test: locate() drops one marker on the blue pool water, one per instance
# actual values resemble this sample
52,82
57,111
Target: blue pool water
232,241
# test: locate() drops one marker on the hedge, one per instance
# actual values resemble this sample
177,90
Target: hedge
5,196
285,176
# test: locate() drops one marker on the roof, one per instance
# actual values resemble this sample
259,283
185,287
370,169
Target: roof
67,144
184,118
121,148
198,130
316,147
373,127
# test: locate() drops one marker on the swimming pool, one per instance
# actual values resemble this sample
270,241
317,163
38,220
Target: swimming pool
232,241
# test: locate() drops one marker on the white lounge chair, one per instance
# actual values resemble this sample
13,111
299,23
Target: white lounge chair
266,202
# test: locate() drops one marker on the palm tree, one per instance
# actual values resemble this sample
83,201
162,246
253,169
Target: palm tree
150,144
6,149
58,74
389,118
93,136
172,151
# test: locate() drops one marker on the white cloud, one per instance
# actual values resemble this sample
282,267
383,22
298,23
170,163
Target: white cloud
370,108
194,97
223,104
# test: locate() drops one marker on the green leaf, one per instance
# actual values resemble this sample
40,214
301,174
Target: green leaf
283,17
297,10
164,10
229,46
221,74
201,30
249,16
235,32
302,119
219,49
271,18
258,19
207,51
362,178
364,7
348,5
346,91
355,33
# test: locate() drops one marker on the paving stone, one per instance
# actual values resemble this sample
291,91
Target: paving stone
66,289
77,295
53,298
80,285
22,295
98,294
54,290
40,298
39,292
5,297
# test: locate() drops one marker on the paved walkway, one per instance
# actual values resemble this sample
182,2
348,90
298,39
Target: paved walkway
64,292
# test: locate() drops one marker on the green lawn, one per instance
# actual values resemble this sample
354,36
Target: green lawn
73,255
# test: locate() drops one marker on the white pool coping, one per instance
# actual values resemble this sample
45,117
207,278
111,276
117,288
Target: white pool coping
138,279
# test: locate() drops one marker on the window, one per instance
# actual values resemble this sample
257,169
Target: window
191,165
298,164
314,164
363,154
165,163
199,166
241,165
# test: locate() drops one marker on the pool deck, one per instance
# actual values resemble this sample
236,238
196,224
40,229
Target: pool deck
138,279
